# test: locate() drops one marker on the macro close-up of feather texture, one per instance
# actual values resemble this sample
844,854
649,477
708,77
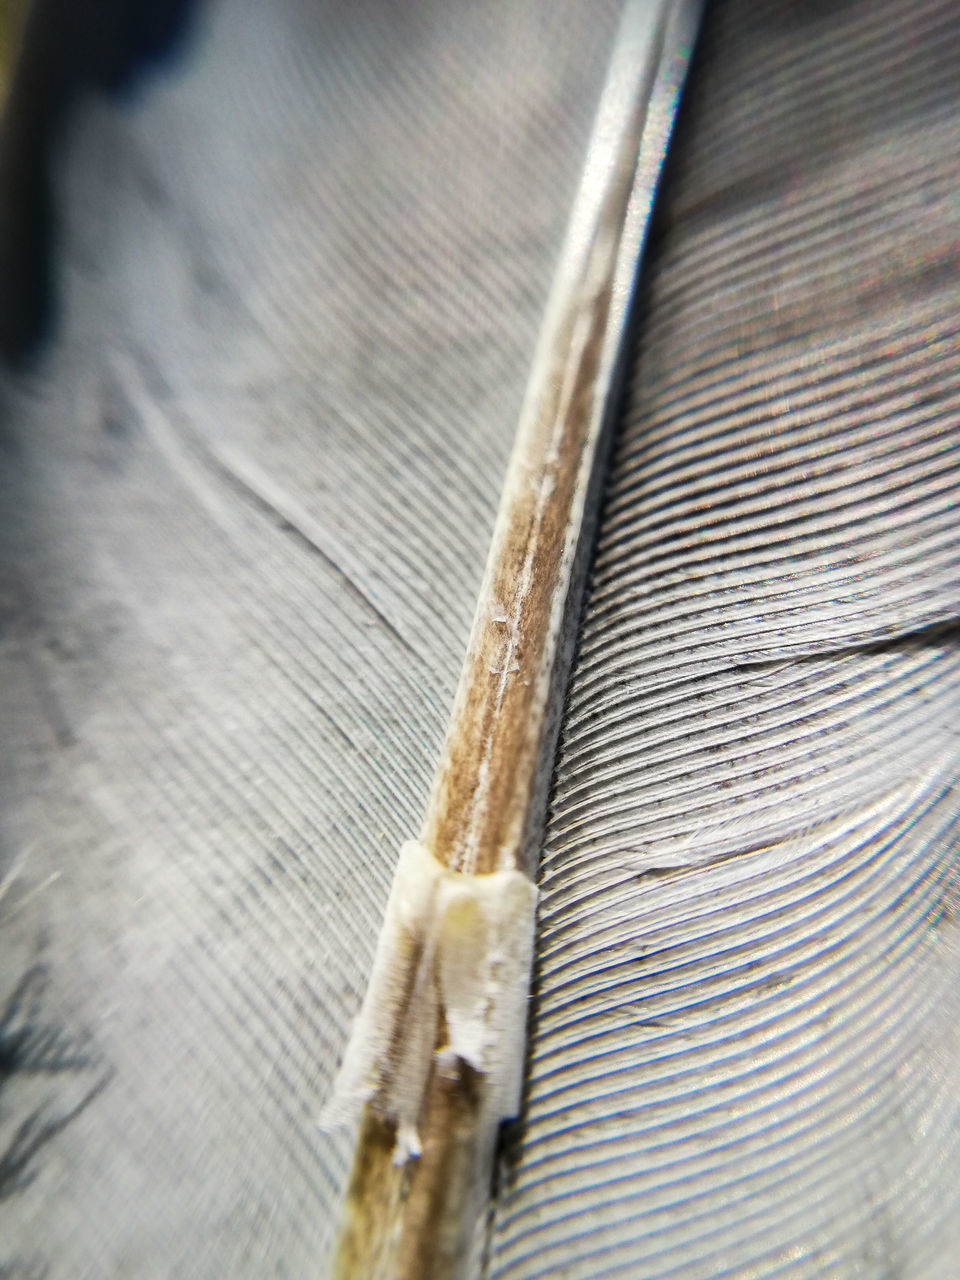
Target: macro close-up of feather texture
479,616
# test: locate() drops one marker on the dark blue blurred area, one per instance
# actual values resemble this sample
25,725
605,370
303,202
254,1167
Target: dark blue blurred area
69,47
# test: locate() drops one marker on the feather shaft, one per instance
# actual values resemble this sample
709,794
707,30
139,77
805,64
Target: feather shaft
435,1061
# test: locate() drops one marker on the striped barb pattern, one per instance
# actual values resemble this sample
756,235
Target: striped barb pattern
746,1054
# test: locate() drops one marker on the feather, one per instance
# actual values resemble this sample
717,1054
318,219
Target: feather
245,502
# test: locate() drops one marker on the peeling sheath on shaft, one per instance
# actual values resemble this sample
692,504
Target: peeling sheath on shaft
435,1061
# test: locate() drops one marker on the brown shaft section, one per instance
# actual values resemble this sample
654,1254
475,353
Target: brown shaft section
480,807
408,1223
